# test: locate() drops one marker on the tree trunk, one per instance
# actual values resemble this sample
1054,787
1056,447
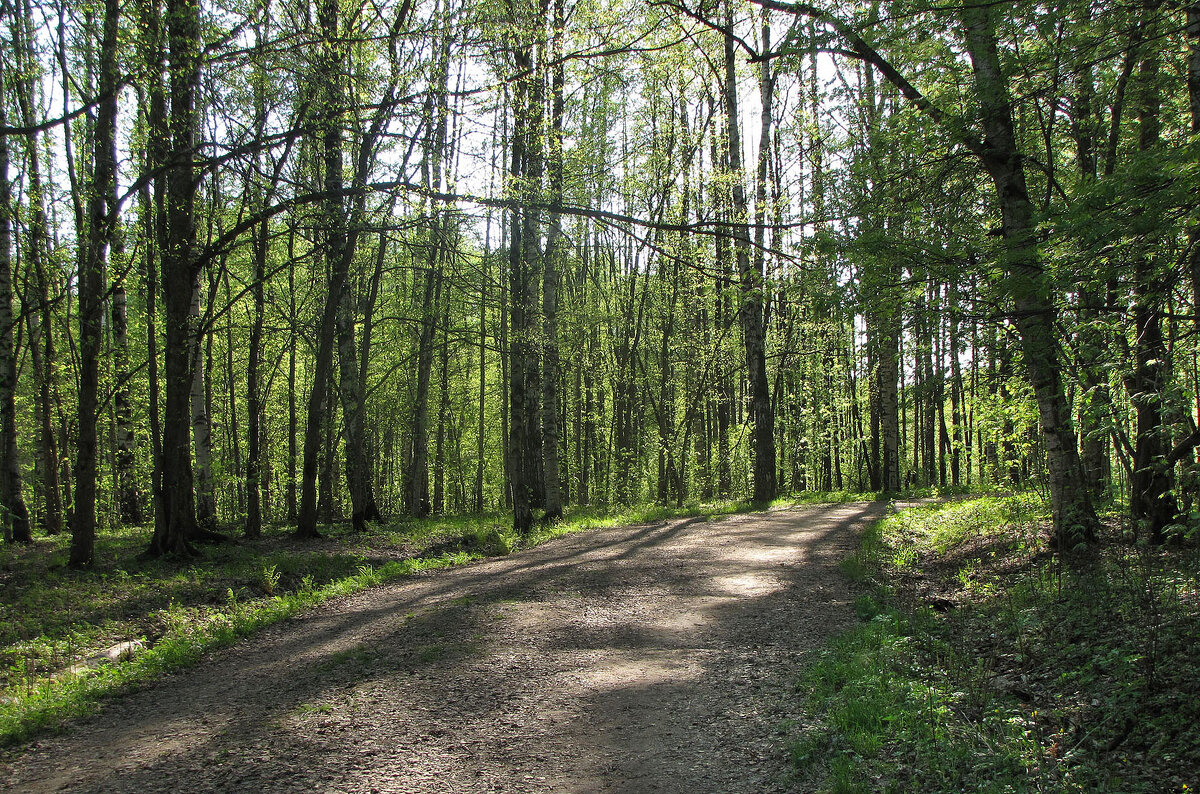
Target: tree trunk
101,218
552,261
293,413
1027,283
418,494
206,500
328,125
254,407
1193,85
15,518
1152,500
1096,412
180,272
751,280
524,255
439,444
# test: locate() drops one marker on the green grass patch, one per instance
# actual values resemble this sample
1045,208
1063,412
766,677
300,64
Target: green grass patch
982,663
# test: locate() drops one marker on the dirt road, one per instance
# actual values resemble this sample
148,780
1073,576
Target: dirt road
654,658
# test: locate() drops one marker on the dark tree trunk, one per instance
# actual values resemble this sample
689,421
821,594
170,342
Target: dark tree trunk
1152,500
524,256
180,271
1193,85
254,407
101,218
552,261
750,313
15,518
1096,413
328,123
418,484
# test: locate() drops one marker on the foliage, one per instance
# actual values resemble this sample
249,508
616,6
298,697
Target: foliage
983,664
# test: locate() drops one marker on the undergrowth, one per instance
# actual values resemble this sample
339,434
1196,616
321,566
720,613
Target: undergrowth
983,663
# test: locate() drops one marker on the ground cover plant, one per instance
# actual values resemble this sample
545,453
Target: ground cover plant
55,621
984,663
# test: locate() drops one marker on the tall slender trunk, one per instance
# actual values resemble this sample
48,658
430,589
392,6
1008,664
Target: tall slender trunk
751,278
206,500
551,274
100,220
293,413
254,407
128,495
1152,500
40,321
15,520
418,494
956,418
1193,86
481,435
1096,413
525,168
439,444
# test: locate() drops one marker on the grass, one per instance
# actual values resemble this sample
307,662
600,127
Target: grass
52,618
982,663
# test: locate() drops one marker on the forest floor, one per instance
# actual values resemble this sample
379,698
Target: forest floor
657,657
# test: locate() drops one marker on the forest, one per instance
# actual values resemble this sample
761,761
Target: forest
299,264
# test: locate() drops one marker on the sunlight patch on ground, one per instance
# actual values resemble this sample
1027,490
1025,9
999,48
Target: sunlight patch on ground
638,670
748,584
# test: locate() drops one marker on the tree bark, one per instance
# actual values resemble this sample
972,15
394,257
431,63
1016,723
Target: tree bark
1027,283
101,218
206,500
15,518
551,275
254,407
1152,500
180,271
328,124
751,281
1193,86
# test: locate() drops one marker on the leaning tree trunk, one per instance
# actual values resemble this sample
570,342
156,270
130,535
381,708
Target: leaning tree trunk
1027,284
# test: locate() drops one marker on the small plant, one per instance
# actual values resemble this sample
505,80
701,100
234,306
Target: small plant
268,579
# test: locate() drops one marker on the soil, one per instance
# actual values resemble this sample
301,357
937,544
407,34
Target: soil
652,658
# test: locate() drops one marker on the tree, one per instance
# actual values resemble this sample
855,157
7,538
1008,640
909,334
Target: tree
15,518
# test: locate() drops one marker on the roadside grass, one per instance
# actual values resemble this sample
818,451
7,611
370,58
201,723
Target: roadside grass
53,620
984,663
